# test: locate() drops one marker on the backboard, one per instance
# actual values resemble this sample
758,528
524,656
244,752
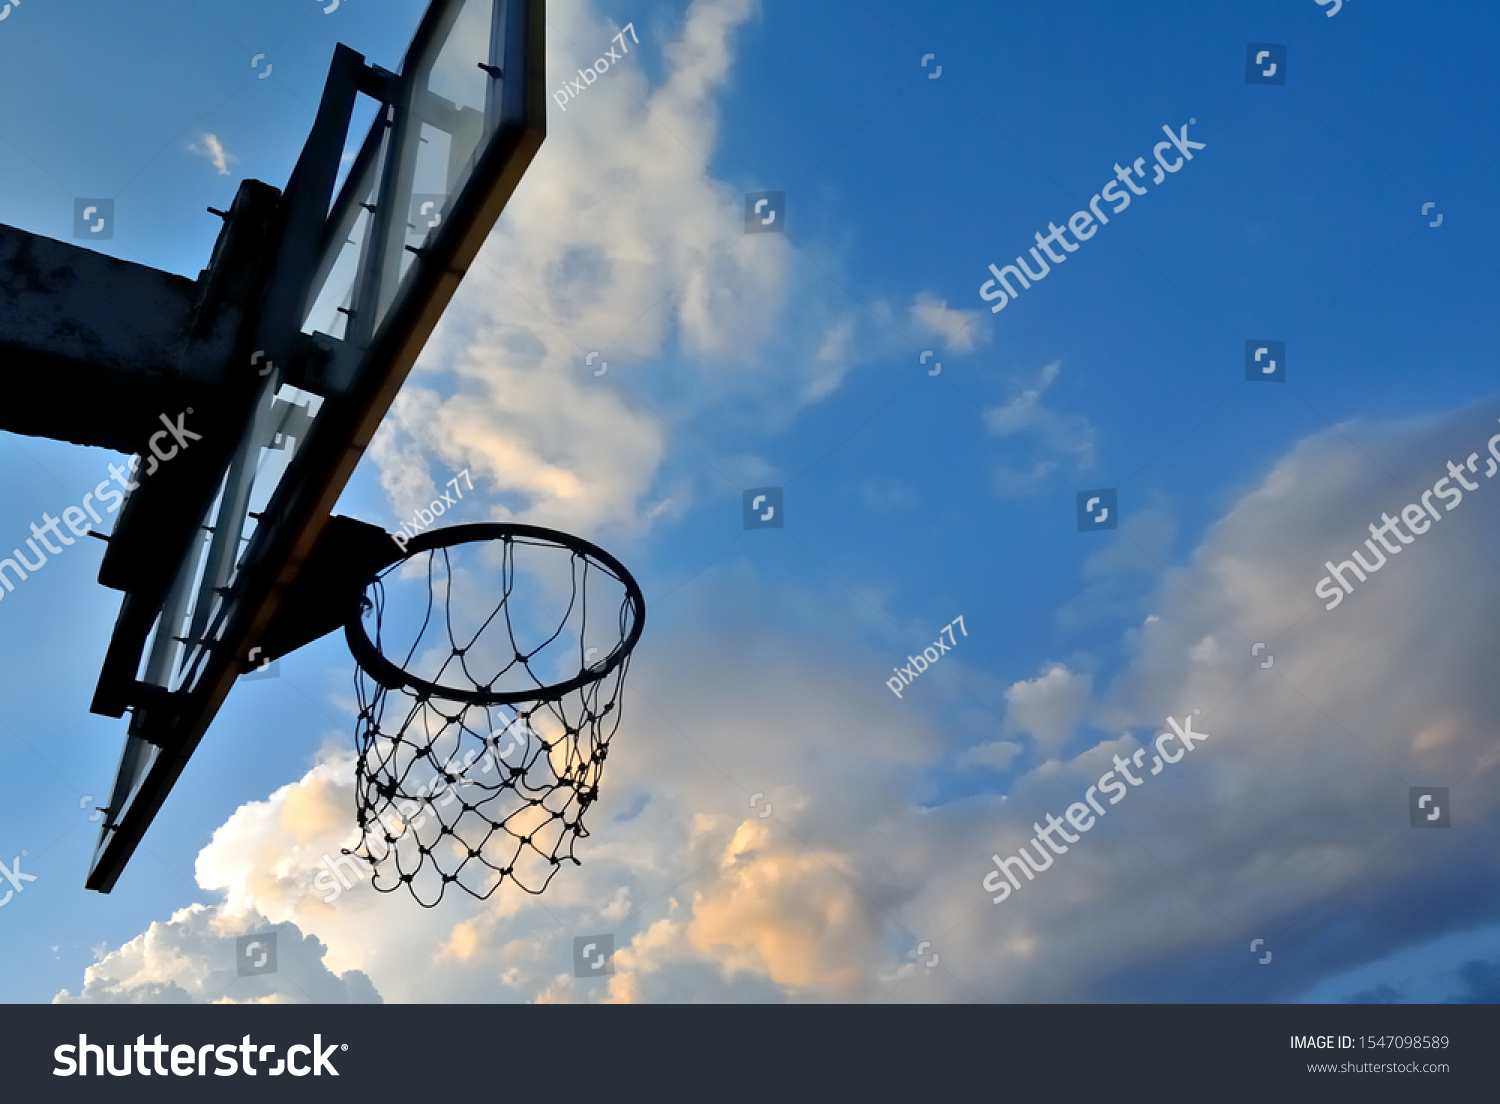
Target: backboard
351,287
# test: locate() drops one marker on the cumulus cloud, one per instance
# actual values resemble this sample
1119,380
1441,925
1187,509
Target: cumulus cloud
620,241
1290,818
707,899
767,924
997,755
282,858
775,911
193,958
1048,707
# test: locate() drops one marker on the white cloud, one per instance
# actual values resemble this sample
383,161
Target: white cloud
1055,441
213,149
997,755
1048,707
193,959
1292,816
959,329
1119,573
765,909
831,361
1293,809
618,240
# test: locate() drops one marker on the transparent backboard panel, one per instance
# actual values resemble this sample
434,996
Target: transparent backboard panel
281,429
452,114
430,192
333,295
457,92
329,311
292,417
425,161
452,69
402,176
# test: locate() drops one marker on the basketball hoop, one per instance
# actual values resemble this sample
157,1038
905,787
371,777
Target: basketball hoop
484,718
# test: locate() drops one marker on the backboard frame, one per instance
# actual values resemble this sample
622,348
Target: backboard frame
358,380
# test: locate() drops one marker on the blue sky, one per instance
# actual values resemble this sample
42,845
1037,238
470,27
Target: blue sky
794,360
